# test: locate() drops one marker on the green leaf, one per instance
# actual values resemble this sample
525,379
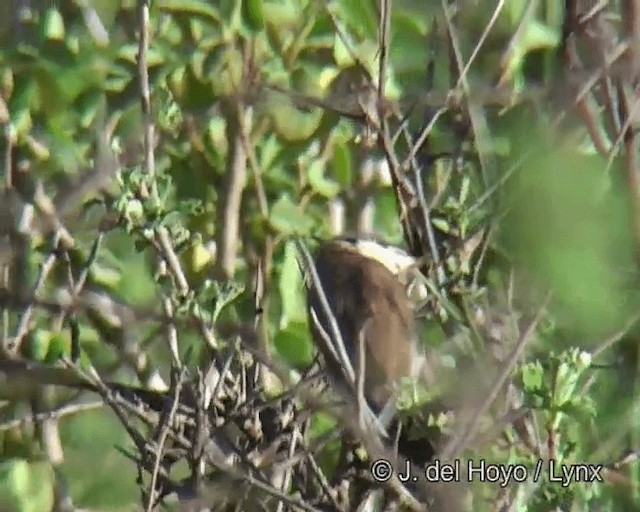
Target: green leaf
359,16
321,423
88,106
565,383
291,288
129,53
540,35
25,100
27,485
53,25
269,150
512,14
105,276
342,54
294,344
408,51
190,7
292,124
59,346
134,212
286,217
282,15
386,216
342,164
253,14
464,190
319,183
38,344
37,148
537,35
532,375
441,224
225,294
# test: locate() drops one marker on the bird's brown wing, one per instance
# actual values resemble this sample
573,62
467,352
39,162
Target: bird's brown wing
367,300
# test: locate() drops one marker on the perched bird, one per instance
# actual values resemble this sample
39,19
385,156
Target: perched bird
364,283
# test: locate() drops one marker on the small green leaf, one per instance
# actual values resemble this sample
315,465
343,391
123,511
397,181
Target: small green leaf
269,150
286,217
293,124
319,183
38,344
512,13
282,15
294,344
88,107
27,485
7,83
59,346
342,164
53,25
134,212
37,148
225,294
441,224
537,36
532,375
190,7
105,276
360,17
321,423
565,383
342,54
290,287
129,52
22,122
253,14
15,475
464,189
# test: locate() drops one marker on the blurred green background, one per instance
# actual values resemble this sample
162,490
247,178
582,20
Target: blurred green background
559,219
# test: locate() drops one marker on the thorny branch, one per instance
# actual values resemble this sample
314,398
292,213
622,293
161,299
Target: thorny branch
237,439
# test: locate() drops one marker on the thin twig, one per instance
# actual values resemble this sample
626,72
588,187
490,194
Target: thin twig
459,441
25,319
478,120
65,410
166,426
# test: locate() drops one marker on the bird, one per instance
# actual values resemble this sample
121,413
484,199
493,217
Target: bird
365,283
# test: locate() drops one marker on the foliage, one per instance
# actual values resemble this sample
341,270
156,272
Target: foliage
261,134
